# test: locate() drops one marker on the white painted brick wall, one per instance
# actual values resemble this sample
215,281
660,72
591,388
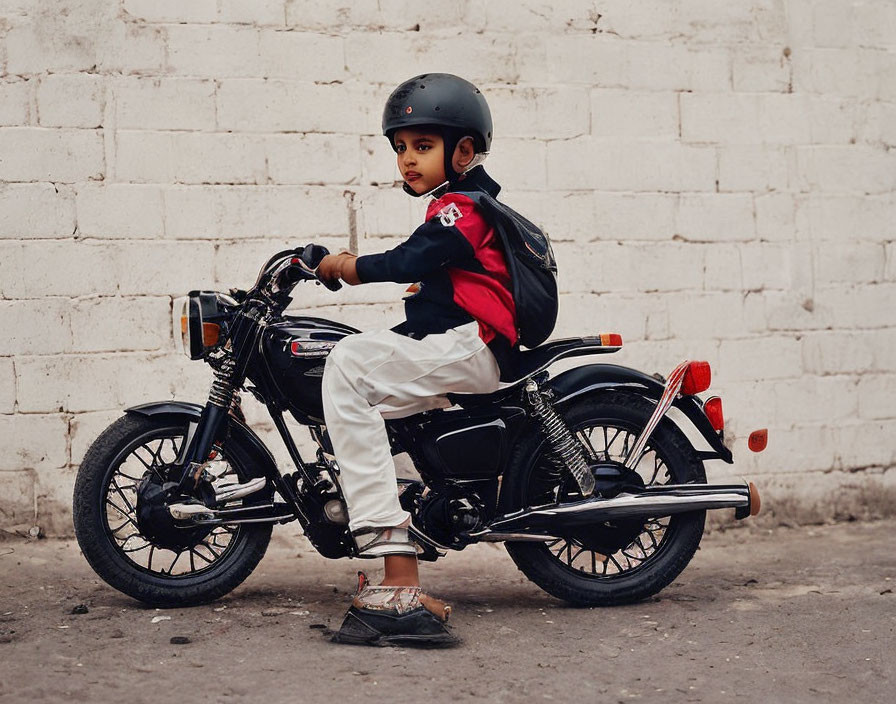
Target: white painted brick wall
7,385
71,100
35,442
719,180
14,103
36,210
53,155
164,103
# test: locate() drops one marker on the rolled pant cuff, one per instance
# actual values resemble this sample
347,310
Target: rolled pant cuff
393,520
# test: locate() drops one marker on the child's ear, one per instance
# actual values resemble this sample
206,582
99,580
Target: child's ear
463,154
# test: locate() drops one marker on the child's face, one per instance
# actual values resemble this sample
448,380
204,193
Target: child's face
421,158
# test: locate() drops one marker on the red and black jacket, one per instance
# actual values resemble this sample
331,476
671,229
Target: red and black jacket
458,261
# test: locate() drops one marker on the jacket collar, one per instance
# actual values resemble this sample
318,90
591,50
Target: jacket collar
474,180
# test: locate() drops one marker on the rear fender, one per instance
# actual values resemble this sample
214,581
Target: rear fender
240,432
597,378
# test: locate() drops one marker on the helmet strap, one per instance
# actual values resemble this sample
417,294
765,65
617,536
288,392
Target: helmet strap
436,192
477,159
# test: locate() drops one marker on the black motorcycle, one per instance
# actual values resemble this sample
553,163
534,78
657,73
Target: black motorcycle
599,496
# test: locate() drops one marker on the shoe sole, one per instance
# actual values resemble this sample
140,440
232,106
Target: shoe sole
434,641
356,631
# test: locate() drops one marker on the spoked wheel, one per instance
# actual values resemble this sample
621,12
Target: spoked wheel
138,549
620,561
179,551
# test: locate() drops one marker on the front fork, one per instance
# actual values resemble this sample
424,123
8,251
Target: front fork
211,426
198,446
229,370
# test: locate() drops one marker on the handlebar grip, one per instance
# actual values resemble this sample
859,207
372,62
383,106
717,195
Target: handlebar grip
312,255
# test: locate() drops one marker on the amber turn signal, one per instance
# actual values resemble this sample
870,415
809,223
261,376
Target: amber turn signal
210,334
758,440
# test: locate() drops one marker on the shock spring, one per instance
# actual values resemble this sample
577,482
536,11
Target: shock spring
567,449
221,392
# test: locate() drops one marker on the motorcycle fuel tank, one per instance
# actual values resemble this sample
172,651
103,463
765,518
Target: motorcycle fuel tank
295,351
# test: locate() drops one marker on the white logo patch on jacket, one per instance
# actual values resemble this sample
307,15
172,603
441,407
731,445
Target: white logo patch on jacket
450,214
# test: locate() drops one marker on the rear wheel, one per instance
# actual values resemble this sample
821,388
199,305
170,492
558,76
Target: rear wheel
621,561
186,566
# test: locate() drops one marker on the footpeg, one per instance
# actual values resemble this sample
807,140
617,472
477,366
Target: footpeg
231,492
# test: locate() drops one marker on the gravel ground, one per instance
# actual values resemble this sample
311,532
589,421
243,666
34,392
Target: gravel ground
790,615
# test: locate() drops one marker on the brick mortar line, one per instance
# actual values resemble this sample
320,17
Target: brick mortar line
605,36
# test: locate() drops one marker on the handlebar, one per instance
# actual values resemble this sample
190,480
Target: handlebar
285,269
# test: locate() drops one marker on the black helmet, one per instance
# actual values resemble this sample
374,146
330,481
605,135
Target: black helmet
443,100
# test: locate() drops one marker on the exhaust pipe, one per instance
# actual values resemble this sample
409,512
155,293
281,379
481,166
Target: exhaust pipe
542,522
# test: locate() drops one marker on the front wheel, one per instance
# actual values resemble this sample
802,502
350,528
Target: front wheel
194,568
617,562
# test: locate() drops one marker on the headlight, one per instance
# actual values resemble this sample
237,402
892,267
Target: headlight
197,321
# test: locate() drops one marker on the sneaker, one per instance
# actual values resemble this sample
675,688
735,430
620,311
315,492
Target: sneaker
395,616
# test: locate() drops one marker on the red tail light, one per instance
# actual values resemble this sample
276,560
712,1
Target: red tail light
758,440
696,378
713,410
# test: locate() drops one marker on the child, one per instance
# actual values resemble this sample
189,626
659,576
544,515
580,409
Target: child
459,336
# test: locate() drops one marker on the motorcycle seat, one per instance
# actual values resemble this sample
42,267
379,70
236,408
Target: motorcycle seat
530,362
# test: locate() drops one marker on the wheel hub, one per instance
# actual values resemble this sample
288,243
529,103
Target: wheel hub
611,479
155,521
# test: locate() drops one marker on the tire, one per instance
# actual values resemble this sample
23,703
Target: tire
642,568
99,481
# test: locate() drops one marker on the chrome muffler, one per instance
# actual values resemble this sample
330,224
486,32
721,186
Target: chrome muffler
545,522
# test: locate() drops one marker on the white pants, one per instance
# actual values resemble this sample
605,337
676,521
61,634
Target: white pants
381,374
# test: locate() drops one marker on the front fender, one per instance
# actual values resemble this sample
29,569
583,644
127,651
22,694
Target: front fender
170,408
239,431
594,378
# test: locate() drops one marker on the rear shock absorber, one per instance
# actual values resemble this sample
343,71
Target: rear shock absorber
567,449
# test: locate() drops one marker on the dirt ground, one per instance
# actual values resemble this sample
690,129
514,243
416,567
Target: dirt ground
790,615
